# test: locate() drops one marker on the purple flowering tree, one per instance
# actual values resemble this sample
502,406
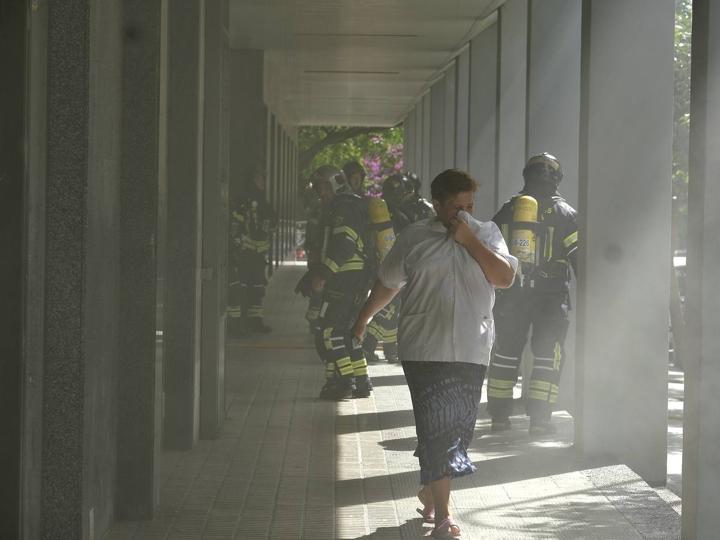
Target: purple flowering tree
381,163
380,151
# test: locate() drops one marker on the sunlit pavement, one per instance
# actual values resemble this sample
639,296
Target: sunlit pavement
287,466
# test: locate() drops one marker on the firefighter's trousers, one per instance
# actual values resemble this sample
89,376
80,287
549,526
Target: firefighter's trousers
343,297
247,288
383,328
312,315
517,312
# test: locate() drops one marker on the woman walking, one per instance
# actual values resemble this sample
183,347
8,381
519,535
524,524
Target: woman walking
448,268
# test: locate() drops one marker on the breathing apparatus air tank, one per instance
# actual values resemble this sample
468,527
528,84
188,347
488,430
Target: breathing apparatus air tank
382,225
523,239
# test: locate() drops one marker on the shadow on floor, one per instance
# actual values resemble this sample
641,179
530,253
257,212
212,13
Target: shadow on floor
374,421
389,380
410,529
407,444
536,463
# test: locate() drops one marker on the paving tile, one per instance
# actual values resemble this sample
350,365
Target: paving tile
287,466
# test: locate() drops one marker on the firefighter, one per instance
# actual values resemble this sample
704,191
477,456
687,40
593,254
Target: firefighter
415,206
321,194
355,175
406,206
344,278
253,221
540,228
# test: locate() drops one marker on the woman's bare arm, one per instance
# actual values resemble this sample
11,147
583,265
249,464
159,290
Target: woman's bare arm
380,296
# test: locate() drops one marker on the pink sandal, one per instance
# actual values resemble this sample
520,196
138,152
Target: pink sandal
446,529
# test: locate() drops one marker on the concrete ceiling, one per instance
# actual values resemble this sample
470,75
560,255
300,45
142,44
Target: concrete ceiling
353,62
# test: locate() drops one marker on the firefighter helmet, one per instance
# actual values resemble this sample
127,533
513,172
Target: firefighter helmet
543,165
328,173
414,182
396,188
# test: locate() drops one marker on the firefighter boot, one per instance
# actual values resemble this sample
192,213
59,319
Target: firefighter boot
540,426
338,389
363,387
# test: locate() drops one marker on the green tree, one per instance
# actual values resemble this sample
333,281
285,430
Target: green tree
335,145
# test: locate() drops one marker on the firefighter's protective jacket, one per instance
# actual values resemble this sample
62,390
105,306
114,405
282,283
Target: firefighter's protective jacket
253,222
557,237
346,247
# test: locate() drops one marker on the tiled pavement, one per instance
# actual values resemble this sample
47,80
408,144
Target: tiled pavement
289,467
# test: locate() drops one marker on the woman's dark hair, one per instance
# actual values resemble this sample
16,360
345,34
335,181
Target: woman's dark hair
451,182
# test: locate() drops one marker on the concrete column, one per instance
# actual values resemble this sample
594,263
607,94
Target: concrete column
215,219
450,113
553,101
513,23
12,171
101,270
553,117
274,183
623,292
34,280
184,223
701,433
78,108
409,141
285,205
462,118
483,124
426,177
281,192
140,365
66,184
437,128
418,138
248,116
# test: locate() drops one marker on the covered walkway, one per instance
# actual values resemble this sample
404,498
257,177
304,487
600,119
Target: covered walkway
287,466
126,133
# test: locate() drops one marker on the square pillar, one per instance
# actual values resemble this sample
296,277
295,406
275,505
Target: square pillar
553,118
625,189
701,431
512,96
426,144
74,111
437,129
140,360
215,218
483,125
13,99
450,112
418,166
462,116
409,141
184,223
553,86
248,117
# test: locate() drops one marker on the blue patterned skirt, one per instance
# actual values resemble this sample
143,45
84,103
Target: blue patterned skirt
445,398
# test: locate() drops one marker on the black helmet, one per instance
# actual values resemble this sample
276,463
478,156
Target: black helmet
396,188
414,182
543,165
